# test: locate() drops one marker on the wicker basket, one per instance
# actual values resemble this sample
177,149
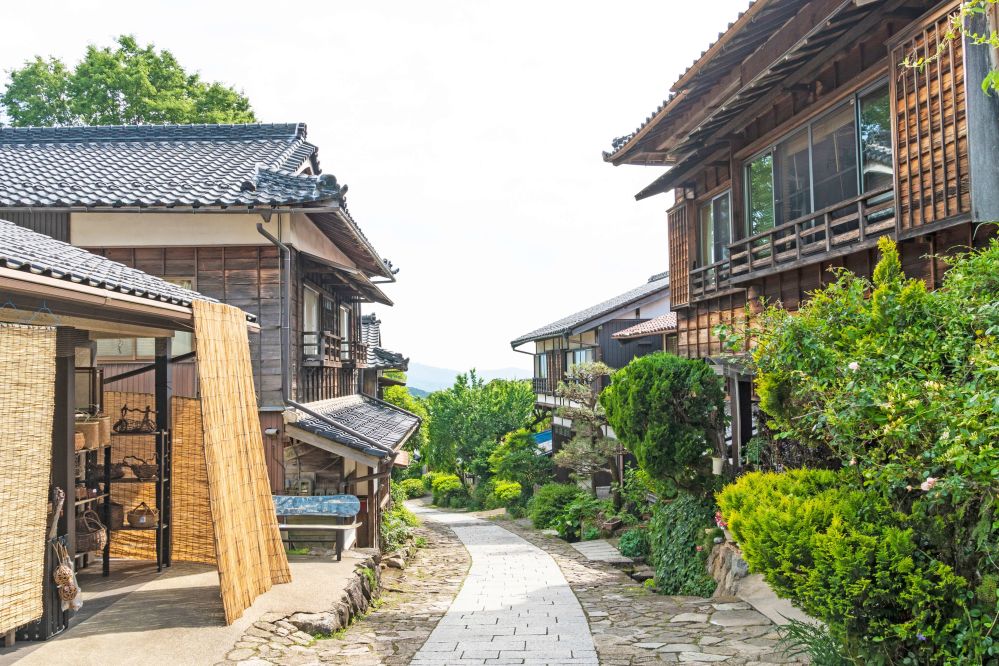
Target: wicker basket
117,518
141,468
142,516
117,471
91,432
90,532
105,421
79,441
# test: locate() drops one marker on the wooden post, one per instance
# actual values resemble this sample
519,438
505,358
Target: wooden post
163,372
63,432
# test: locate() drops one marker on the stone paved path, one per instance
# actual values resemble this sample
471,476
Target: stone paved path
515,606
631,625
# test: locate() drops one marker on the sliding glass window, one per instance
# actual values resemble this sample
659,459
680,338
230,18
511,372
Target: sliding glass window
715,222
822,164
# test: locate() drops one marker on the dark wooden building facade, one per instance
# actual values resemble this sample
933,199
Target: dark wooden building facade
798,139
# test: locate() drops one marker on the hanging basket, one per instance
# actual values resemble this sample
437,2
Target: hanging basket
142,516
90,532
79,441
141,468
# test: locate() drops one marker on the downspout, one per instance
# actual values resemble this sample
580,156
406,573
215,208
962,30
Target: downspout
285,307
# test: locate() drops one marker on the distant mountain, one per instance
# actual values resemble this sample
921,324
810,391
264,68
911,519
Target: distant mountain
417,393
428,378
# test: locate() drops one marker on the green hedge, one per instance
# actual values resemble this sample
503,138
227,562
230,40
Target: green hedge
550,501
413,488
675,533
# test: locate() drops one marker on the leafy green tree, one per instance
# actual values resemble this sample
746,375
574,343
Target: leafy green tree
517,458
670,413
124,85
403,399
590,451
468,421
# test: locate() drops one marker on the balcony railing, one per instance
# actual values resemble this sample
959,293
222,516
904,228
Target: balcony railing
811,236
709,279
320,348
352,351
544,385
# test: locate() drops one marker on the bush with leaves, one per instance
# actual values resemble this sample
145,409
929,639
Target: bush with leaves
634,543
550,501
505,493
397,522
578,516
899,556
519,459
413,488
447,488
670,413
675,550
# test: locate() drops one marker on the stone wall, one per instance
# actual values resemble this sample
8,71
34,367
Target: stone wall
726,565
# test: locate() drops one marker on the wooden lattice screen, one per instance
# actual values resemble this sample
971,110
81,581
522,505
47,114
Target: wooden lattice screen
248,546
932,181
27,406
679,255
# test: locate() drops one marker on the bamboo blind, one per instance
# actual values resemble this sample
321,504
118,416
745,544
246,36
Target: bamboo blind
249,552
27,405
191,530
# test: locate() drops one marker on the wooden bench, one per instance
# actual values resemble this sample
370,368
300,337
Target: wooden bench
342,508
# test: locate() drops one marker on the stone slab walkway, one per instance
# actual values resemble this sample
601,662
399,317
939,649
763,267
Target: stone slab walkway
515,606
631,625
601,550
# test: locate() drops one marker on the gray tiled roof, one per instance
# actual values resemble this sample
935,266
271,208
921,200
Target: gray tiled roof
381,422
29,251
658,282
161,166
378,356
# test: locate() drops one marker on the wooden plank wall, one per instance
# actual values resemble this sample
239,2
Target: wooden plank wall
932,166
618,353
246,277
679,255
50,223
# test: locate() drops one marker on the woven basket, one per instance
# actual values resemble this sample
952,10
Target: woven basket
91,432
117,518
117,471
105,421
79,441
142,516
90,532
141,469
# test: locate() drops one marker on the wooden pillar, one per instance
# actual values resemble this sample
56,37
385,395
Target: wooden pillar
374,508
163,378
63,431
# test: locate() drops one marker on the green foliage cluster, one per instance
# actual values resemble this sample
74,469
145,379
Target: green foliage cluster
676,552
448,490
670,413
468,421
506,493
125,85
402,398
550,501
413,488
578,516
517,458
397,523
897,553
634,543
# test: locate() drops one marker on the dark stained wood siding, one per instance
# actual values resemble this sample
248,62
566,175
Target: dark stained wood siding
679,255
932,166
50,223
618,353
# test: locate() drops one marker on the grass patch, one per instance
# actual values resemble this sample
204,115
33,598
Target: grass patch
301,550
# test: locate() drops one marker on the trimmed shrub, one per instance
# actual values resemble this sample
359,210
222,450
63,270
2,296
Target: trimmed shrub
505,493
674,550
428,480
449,490
634,543
550,501
413,488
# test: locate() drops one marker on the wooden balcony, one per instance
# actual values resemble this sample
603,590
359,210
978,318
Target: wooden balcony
831,231
354,353
544,385
708,280
321,349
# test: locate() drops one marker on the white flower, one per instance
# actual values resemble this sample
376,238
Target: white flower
928,483
854,366
853,461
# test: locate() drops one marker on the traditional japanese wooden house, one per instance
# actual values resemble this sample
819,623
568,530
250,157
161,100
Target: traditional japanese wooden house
799,138
381,361
610,331
190,498
241,213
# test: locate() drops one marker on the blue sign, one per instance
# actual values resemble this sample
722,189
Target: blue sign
341,506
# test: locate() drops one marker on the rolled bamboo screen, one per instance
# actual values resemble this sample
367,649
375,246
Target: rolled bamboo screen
248,546
27,404
191,529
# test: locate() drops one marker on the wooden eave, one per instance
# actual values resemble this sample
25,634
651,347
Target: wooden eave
342,230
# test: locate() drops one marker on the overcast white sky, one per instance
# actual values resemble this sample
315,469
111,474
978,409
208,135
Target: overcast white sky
469,132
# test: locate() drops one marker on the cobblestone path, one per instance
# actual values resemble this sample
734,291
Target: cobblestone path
631,625
514,608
